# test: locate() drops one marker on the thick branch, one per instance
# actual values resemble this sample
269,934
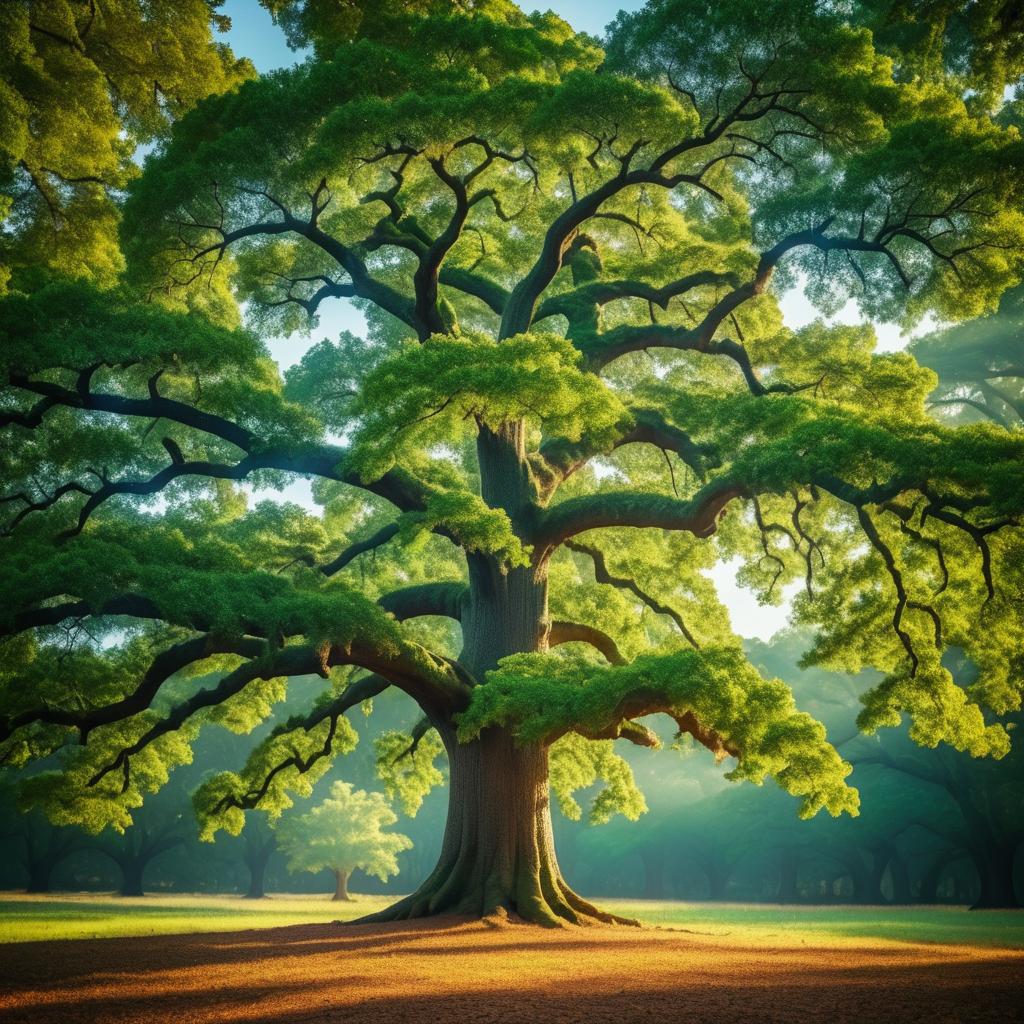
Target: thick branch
435,684
698,516
599,293
426,599
577,632
649,427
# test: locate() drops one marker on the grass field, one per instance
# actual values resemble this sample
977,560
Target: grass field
26,918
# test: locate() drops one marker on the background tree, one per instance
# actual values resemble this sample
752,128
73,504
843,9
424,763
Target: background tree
575,394
980,365
344,834
150,835
987,798
260,846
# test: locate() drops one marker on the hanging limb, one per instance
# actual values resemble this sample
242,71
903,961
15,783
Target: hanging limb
602,575
764,528
812,545
433,682
904,515
902,599
355,693
978,534
162,668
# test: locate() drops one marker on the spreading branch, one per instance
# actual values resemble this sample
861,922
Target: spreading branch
603,575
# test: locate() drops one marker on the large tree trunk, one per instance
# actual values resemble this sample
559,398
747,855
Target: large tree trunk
341,886
498,854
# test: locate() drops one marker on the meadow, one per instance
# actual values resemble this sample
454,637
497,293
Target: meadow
29,918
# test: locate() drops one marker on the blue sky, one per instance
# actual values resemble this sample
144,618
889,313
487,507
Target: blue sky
253,34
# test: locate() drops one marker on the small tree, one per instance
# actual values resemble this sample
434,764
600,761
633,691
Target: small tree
344,833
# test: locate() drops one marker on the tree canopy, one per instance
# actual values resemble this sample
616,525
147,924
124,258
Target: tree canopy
83,85
576,393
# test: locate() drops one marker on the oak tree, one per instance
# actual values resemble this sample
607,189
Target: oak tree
575,394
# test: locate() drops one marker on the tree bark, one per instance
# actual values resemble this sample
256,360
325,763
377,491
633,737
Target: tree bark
498,855
341,886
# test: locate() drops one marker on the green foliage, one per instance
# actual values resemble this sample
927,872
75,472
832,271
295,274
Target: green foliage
345,832
541,698
577,763
304,752
80,87
570,263
406,767
71,796
427,393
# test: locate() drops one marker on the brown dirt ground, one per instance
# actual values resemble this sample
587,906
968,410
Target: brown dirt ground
478,972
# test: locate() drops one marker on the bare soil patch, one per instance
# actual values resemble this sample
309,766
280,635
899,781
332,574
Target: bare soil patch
477,972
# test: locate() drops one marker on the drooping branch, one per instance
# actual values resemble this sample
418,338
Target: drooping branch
355,693
434,683
603,575
576,632
902,599
162,668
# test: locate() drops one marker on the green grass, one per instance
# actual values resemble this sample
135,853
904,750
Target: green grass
773,922
92,915
88,915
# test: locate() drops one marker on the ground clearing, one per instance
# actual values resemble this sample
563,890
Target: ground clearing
739,968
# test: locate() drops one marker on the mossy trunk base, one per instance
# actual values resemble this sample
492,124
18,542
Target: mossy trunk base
498,855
